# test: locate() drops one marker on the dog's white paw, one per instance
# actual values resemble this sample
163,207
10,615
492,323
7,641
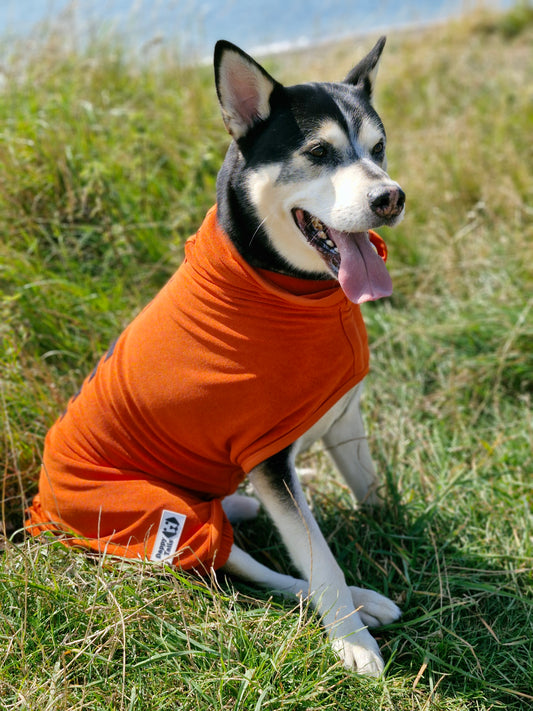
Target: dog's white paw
240,508
361,655
374,609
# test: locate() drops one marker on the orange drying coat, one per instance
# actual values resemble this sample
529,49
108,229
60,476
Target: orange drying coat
225,367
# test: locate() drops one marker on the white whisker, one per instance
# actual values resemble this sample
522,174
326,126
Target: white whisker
257,230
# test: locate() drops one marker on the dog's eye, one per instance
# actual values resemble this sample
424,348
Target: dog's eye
317,150
378,150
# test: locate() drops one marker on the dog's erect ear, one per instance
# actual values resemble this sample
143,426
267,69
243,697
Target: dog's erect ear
243,87
363,75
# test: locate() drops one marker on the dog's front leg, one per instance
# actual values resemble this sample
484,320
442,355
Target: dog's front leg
347,444
279,490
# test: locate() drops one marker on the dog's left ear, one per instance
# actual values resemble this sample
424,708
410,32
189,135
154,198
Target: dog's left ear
363,75
244,88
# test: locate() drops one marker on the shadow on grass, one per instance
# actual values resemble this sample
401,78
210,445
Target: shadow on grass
464,640
465,633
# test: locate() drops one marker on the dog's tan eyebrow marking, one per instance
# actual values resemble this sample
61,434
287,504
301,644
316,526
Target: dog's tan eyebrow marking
331,132
369,134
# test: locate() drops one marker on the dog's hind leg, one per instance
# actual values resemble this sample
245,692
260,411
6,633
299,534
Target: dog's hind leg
374,609
244,566
238,507
347,444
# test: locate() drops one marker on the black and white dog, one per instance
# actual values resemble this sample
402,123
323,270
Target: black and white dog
254,349
303,181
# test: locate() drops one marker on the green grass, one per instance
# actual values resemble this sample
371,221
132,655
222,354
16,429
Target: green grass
106,166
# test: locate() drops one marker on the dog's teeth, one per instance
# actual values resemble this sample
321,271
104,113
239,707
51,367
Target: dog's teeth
321,234
330,243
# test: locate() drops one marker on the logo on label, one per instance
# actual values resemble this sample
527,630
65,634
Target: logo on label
168,535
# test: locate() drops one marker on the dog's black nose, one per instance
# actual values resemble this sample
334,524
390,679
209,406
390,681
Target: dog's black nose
387,201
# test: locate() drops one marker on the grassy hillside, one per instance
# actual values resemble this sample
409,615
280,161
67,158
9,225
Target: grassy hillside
106,166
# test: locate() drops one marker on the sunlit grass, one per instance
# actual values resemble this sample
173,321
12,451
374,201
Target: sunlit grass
106,166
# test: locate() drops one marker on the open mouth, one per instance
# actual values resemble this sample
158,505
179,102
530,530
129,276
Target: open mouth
350,256
319,237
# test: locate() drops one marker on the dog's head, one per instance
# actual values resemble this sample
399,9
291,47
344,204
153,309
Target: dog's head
308,168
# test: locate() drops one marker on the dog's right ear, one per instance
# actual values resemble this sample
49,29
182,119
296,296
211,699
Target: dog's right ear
243,87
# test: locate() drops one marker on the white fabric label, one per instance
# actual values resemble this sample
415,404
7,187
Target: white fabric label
168,535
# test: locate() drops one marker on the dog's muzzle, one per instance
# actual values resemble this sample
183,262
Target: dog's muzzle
387,202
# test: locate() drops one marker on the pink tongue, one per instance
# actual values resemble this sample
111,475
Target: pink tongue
363,275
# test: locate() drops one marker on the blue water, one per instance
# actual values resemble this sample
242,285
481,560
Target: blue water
195,25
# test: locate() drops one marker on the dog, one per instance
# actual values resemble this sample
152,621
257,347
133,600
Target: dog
253,350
